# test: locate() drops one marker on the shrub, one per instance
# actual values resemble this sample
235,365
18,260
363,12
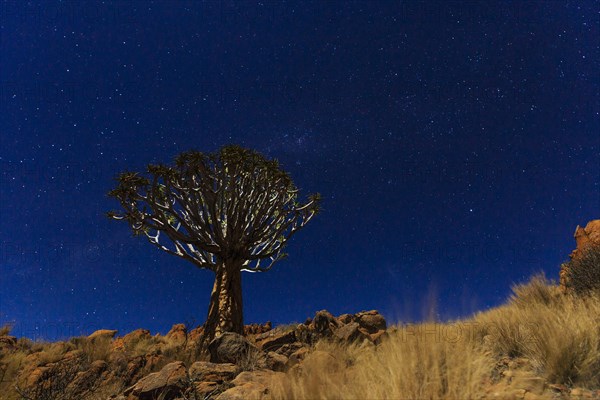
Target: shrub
539,290
560,335
5,330
583,272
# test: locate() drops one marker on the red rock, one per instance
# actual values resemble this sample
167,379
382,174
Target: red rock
135,336
255,329
102,334
212,372
229,348
584,238
372,321
87,380
177,334
345,318
273,340
196,333
324,323
350,333
168,383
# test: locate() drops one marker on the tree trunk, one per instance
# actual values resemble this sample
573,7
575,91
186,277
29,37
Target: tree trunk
225,312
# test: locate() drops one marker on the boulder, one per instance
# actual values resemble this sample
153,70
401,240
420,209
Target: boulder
229,348
273,340
211,372
167,384
102,334
324,323
350,333
371,321
345,318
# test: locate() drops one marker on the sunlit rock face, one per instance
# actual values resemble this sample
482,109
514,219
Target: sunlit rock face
584,238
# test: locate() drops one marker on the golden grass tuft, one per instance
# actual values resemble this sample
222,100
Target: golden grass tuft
412,363
558,334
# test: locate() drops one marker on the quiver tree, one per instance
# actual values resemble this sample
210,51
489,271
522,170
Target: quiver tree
228,212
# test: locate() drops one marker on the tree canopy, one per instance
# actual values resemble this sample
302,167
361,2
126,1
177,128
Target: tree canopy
233,204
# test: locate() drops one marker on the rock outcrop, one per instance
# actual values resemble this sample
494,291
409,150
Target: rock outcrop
140,366
584,238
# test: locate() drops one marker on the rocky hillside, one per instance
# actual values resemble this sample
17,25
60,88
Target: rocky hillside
175,366
544,343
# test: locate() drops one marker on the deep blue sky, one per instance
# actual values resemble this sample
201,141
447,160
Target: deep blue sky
456,146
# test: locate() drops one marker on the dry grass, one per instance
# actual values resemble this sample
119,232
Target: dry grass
558,334
5,330
409,365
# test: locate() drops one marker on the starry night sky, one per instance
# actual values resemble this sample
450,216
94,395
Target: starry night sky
455,144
